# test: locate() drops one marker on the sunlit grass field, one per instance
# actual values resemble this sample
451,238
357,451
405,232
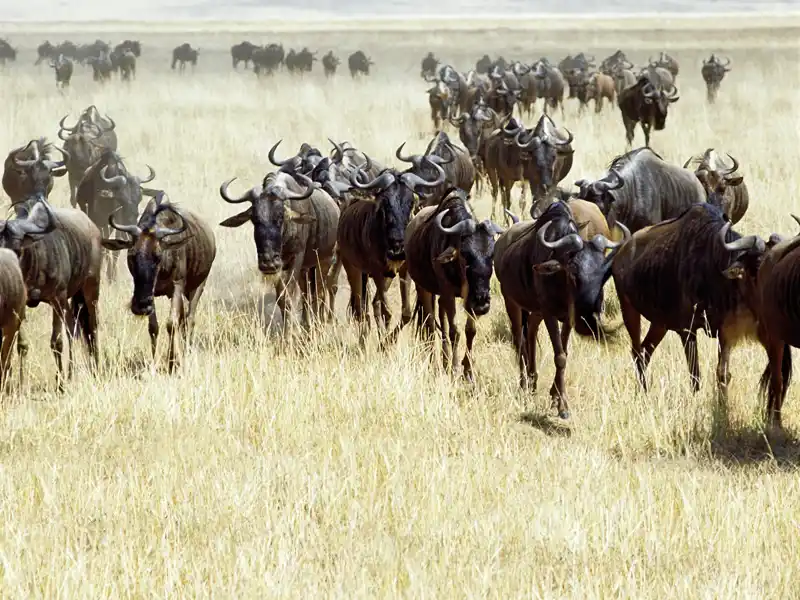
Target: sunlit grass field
261,469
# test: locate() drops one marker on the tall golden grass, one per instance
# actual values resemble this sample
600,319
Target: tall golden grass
320,470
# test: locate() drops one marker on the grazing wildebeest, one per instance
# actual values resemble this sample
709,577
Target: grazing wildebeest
330,63
688,273
7,52
547,272
62,269
170,253
646,104
294,228
723,186
29,170
359,63
456,163
13,297
429,65
640,189
242,52
713,72
449,254
184,54
62,67
371,233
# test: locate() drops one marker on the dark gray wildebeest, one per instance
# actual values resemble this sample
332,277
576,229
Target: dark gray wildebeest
294,229
267,59
640,189
170,253
500,155
441,103
330,63
713,72
615,62
684,274
359,63
723,186
7,52
547,272
61,267
449,254
473,128
132,46
125,62
456,163
647,105
13,297
371,235
546,156
106,188
184,54
658,76
429,66
29,170
242,52
300,62
575,69
550,85
62,66
665,61
102,67
85,143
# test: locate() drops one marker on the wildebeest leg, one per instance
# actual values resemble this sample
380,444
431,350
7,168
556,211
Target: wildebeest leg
633,323
405,304
57,340
6,341
357,303
777,385
651,341
450,309
193,298
515,318
446,324
152,329
22,349
175,325
532,373
428,324
689,341
332,285
646,130
558,391
380,307
630,129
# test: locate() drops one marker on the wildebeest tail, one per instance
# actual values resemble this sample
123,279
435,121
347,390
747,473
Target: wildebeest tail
786,374
80,315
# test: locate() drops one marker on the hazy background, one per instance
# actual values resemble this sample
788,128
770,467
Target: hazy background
156,10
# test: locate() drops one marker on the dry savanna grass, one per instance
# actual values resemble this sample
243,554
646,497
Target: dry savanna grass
318,470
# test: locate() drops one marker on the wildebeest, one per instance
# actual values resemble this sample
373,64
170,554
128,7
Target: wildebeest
646,104
61,267
723,186
170,253
550,85
294,228
429,65
473,127
600,86
440,102
29,170
713,72
640,189
126,63
665,61
548,273
184,54
359,63
684,274
7,52
267,59
615,62
371,233
242,52
47,50
13,297
449,254
500,156
300,62
330,63
623,78
132,46
62,67
456,163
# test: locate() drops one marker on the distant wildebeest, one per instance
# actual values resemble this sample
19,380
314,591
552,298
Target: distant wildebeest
267,59
600,86
7,52
29,170
500,156
688,273
647,105
13,297
170,253
126,64
61,267
723,186
623,78
449,254
184,54
132,46
330,63
294,229
62,67
547,272
615,62
47,51
429,65
359,63
665,61
473,127
300,62
102,67
371,234
242,52
550,85
640,189
713,72
440,102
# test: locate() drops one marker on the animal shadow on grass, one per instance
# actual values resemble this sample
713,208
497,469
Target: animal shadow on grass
754,446
548,425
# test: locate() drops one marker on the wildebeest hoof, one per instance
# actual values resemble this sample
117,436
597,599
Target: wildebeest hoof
34,298
563,414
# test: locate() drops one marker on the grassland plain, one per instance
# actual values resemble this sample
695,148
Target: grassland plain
261,470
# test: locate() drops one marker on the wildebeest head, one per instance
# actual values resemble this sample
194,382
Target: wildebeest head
159,230
599,192
660,99
33,169
271,216
440,151
470,250
715,176
18,233
393,194
125,188
542,146
471,126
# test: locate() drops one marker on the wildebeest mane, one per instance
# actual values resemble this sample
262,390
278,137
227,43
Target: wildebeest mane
623,159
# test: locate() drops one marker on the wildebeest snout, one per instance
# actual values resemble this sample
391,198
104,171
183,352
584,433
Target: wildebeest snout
269,264
142,306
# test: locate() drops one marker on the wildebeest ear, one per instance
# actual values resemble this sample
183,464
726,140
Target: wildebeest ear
112,244
734,181
300,219
447,256
548,267
735,271
237,220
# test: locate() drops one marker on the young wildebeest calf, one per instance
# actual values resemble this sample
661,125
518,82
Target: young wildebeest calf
548,273
295,234
449,254
170,253
13,297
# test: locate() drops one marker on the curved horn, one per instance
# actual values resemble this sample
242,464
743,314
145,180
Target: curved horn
150,177
796,218
64,127
111,126
602,241
462,228
618,181
514,218
132,230
223,192
673,95
271,155
339,156
310,187
414,181
649,90
408,159
162,232
528,142
570,138
735,166
686,164
116,180
745,243
383,180
570,241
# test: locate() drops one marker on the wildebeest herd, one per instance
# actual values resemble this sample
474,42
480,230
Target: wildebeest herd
662,232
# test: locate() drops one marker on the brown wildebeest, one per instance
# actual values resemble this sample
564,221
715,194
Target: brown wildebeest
13,297
548,273
170,253
449,255
29,171
500,156
684,274
723,186
599,87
